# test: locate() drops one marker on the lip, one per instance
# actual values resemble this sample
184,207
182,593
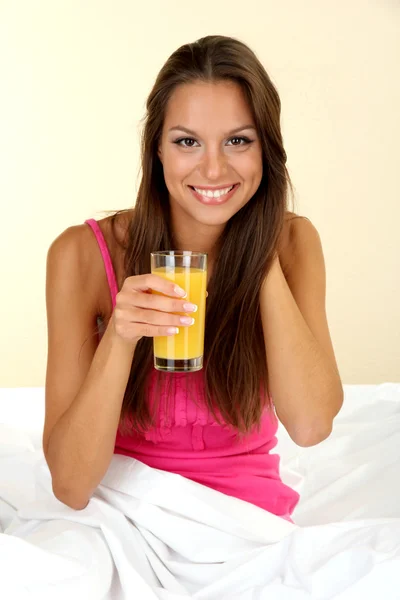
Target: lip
214,201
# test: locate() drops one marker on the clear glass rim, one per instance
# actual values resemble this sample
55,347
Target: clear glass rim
178,253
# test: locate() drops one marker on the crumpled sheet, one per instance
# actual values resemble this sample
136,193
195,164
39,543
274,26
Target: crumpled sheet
148,534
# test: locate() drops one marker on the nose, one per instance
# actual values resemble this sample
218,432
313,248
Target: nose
213,166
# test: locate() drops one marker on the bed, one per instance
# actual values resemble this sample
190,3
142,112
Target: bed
345,543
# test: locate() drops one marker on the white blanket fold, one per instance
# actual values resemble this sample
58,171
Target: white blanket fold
148,534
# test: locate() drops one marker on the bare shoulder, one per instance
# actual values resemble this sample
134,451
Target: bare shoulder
115,230
298,225
74,239
78,248
298,233
73,253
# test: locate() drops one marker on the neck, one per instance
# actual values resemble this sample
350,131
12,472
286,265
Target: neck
196,237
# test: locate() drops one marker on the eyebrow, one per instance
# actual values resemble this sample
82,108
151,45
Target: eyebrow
190,132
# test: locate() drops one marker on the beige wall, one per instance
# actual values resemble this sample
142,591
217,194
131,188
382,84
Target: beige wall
75,76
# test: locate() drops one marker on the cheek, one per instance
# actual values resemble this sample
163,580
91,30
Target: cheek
176,168
250,168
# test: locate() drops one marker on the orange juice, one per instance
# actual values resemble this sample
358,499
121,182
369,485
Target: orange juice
189,342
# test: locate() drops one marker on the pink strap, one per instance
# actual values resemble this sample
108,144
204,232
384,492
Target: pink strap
112,281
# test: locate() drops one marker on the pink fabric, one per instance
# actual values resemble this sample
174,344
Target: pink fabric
112,281
188,441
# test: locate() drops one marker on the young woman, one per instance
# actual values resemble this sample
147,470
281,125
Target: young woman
213,180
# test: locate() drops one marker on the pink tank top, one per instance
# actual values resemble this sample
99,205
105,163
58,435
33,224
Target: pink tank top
186,439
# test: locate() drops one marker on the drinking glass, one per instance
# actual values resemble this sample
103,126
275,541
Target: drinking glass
182,352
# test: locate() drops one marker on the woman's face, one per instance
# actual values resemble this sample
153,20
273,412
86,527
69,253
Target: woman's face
210,151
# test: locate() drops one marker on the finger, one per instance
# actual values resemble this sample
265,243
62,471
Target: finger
147,330
147,282
154,317
161,303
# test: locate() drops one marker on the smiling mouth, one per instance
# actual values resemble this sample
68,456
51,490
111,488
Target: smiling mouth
216,193
214,197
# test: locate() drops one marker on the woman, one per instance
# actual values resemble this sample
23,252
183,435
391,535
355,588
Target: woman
212,132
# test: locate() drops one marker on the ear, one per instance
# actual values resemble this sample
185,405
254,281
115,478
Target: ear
159,153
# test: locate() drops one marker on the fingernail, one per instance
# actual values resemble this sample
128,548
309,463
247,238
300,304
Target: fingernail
180,291
172,330
187,320
190,307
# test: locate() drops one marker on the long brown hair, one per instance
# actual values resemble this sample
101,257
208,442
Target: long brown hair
235,370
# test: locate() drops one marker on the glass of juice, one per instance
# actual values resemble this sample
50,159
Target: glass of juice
182,352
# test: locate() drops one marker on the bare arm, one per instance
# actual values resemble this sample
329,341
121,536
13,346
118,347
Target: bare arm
304,379
81,444
85,381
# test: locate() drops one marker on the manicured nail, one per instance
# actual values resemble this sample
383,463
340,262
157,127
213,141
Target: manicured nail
172,330
190,307
187,320
180,291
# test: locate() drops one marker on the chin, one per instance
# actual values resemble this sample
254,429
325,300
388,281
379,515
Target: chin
213,216
218,218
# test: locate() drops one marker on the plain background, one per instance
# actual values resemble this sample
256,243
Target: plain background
74,78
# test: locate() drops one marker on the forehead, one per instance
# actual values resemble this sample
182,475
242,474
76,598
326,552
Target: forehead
201,106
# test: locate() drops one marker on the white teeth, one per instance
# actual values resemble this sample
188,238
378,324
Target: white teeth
216,194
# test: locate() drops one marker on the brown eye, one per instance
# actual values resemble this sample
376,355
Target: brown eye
240,141
186,142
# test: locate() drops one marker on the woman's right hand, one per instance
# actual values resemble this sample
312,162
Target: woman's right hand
139,313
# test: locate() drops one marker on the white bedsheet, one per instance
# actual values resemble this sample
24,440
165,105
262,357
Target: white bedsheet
148,534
